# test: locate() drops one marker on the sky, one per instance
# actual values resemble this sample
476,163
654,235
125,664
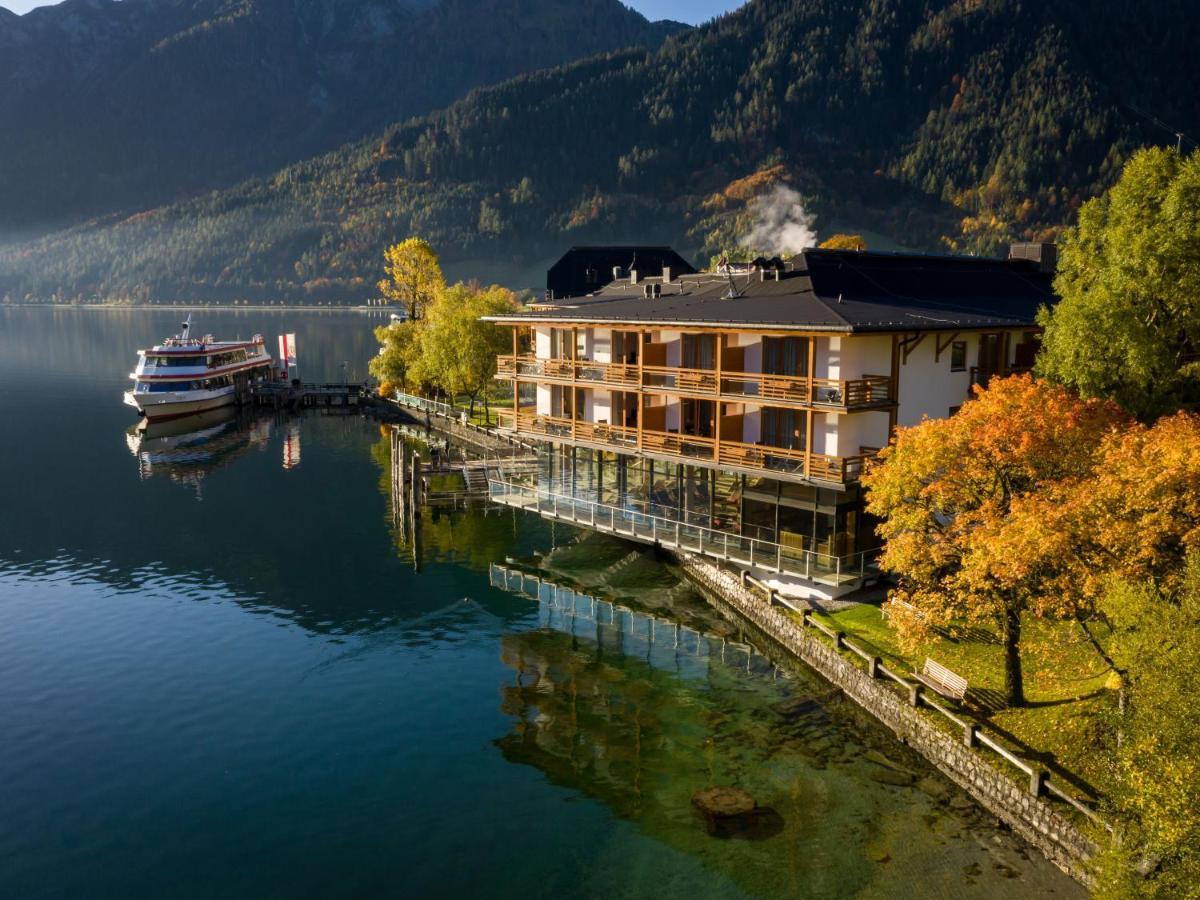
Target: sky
692,11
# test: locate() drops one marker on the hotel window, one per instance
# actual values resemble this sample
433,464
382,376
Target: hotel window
625,346
698,351
782,428
958,356
785,356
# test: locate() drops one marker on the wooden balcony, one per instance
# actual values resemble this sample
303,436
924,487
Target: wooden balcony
692,448
870,390
601,433
857,393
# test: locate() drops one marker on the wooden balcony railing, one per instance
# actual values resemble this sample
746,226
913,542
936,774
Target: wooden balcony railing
870,390
690,381
601,433
693,448
683,445
620,374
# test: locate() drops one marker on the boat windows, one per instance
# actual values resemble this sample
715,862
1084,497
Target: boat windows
176,361
226,359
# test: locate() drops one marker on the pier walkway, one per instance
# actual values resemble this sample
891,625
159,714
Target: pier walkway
284,395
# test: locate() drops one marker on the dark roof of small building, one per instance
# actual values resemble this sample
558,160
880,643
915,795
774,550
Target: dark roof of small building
582,270
830,290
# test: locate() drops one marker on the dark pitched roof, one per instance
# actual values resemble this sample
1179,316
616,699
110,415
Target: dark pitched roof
582,270
835,290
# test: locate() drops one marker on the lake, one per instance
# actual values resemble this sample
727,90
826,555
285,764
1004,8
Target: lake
223,673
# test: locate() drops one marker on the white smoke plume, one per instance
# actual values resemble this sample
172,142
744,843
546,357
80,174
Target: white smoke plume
779,225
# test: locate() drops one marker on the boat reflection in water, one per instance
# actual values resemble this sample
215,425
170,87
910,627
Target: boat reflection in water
187,449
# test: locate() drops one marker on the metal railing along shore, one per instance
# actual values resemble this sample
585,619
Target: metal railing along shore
673,534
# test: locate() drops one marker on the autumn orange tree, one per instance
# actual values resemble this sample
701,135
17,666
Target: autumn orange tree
962,502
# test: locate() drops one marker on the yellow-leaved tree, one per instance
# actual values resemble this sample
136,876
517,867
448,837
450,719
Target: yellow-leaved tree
458,349
414,275
844,242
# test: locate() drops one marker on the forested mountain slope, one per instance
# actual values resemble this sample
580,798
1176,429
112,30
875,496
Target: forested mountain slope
120,104
935,123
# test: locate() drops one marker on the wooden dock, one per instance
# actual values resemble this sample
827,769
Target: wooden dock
284,395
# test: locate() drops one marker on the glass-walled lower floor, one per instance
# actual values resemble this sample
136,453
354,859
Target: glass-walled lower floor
798,516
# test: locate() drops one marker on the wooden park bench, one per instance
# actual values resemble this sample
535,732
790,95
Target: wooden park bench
942,680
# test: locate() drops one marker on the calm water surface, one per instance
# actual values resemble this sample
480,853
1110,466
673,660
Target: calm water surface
220,676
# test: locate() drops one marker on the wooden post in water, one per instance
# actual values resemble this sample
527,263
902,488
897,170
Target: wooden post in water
415,494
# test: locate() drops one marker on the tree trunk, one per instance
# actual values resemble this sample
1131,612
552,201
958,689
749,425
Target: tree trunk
1014,681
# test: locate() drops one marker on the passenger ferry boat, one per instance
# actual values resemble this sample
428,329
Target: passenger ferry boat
184,375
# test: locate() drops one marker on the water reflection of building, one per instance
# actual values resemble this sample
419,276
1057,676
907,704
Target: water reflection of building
620,707
642,737
659,642
186,450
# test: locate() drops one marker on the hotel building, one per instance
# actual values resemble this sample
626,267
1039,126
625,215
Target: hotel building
732,413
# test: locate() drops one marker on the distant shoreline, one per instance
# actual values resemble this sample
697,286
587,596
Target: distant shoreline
185,307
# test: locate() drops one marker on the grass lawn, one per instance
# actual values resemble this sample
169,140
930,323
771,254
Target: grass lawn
463,403
1064,685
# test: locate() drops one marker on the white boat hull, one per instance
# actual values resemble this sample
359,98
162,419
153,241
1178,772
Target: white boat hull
160,406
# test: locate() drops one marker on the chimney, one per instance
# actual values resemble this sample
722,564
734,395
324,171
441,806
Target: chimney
633,276
1043,253
666,275
617,273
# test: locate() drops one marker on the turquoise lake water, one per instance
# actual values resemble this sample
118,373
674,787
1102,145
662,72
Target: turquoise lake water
220,675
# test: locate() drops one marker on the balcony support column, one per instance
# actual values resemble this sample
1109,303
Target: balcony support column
717,406
894,387
808,439
808,414
641,397
574,372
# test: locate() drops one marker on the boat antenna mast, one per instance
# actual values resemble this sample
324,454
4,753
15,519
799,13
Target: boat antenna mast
186,325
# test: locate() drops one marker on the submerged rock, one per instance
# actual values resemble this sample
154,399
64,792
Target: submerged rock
733,813
891,776
887,771
933,788
723,802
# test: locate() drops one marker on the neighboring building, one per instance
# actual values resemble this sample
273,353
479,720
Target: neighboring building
732,413
585,270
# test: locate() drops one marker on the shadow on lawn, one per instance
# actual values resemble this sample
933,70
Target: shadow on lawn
994,701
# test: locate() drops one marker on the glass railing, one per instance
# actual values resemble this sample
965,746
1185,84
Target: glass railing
841,571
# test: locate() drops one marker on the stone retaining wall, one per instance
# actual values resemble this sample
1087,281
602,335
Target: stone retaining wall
1034,818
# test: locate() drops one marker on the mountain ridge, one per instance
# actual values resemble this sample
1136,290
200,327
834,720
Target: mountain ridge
113,104
941,125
